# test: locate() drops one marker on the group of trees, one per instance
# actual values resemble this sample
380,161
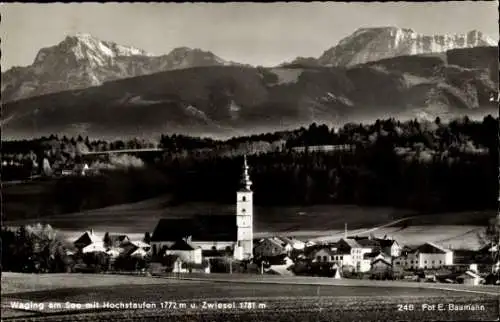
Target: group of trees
34,249
429,166
39,249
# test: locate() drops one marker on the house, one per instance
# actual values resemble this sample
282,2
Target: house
294,243
186,251
94,247
140,244
270,247
213,230
86,239
381,267
331,254
426,256
116,240
357,249
470,278
390,247
175,264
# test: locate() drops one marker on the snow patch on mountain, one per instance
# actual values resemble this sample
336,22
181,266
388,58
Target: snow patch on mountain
371,44
82,61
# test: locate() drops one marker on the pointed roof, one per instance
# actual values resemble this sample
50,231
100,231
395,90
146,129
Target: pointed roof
273,240
350,242
246,183
116,238
183,245
94,247
383,260
431,248
87,238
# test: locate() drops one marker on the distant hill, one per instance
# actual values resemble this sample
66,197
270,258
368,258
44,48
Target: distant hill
234,100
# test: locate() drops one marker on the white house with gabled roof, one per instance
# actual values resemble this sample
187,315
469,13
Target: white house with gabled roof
426,256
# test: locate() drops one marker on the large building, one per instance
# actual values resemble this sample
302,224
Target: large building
213,231
426,256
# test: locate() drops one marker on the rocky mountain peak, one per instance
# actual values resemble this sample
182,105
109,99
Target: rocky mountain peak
375,43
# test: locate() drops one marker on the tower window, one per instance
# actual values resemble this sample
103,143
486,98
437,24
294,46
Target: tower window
244,198
243,210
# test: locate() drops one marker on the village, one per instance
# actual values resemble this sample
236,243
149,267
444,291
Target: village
218,243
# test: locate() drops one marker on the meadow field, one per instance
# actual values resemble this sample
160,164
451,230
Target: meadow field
274,298
320,222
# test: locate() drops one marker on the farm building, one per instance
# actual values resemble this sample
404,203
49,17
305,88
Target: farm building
357,250
469,278
389,247
213,231
270,247
88,241
381,267
187,252
426,256
293,242
332,255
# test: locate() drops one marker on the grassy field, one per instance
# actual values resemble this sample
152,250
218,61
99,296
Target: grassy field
274,302
453,230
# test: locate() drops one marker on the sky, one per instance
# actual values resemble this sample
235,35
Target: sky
263,34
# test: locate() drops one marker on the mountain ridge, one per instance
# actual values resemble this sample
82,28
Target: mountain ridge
82,61
375,43
233,100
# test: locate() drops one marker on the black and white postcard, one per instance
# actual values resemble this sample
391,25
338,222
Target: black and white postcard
239,161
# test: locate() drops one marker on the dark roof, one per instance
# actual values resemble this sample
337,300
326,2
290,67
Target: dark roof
386,242
368,242
117,238
429,248
182,245
381,260
200,228
83,240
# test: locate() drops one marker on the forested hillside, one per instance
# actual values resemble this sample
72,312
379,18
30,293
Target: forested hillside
429,166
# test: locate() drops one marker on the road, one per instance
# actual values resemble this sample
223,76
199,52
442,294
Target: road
361,231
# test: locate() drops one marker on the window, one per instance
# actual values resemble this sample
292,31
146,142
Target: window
331,258
318,258
244,198
243,210
341,257
425,262
412,262
440,262
433,262
324,258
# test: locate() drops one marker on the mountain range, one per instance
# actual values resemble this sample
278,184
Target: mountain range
98,88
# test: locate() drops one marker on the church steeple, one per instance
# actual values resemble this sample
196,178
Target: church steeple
246,183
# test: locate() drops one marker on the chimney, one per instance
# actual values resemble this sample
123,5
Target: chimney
345,230
91,231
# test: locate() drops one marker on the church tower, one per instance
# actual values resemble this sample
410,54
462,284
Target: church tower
244,213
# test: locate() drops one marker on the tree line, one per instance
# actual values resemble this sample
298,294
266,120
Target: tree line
429,166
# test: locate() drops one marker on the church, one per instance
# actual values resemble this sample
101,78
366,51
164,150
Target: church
213,232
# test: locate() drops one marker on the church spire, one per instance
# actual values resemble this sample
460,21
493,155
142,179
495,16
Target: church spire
246,183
